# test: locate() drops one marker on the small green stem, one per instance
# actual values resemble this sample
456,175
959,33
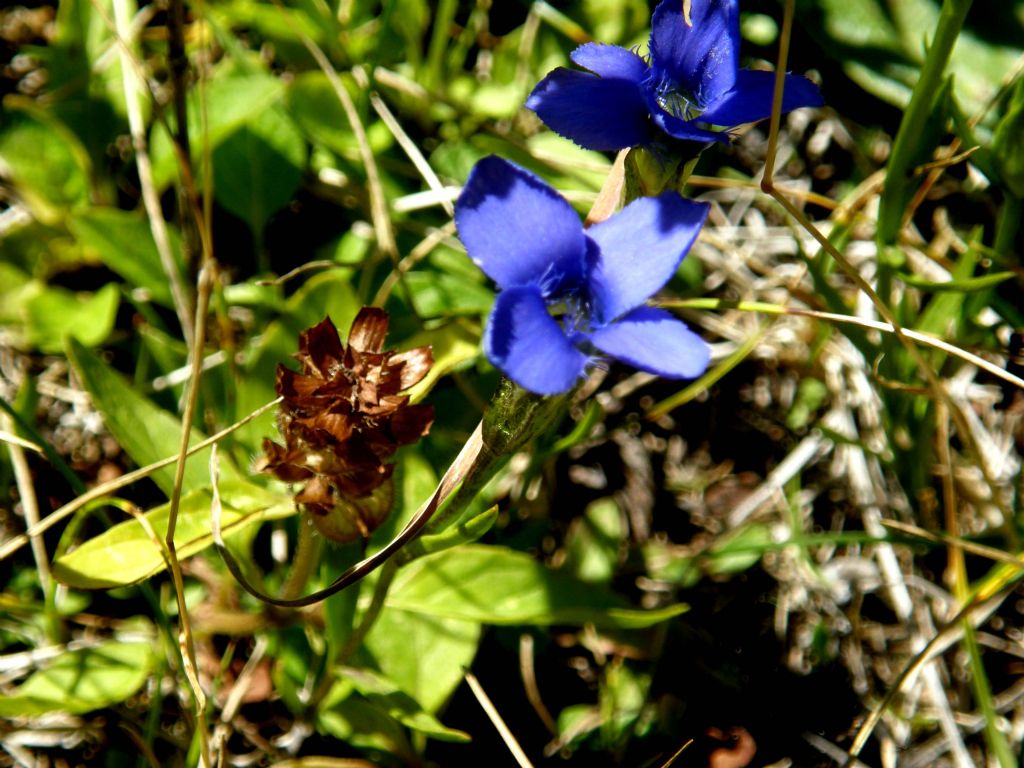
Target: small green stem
905,147
1007,226
372,612
515,418
306,556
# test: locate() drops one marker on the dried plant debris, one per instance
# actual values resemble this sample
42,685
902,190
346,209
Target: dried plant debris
342,419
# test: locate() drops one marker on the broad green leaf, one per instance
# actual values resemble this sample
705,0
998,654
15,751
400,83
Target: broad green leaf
592,543
43,158
383,693
54,315
16,289
257,168
494,585
82,680
426,656
348,716
442,294
232,101
146,432
313,104
124,243
125,554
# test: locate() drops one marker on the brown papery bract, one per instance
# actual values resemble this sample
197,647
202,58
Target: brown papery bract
342,419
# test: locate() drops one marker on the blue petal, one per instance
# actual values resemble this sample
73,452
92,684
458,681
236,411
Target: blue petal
517,229
610,61
685,129
653,340
528,345
638,251
751,98
702,58
601,113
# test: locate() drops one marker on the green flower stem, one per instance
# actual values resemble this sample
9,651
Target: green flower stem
516,417
306,557
1007,226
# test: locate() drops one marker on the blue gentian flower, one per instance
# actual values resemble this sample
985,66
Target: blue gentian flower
690,82
530,241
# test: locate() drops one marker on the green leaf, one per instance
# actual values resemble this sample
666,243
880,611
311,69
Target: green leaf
966,285
494,585
383,693
16,290
881,46
313,104
125,554
426,656
146,432
232,101
54,314
348,716
1008,142
82,680
257,169
45,160
592,543
124,243
441,294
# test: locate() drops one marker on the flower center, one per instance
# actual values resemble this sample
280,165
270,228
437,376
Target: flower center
677,102
573,314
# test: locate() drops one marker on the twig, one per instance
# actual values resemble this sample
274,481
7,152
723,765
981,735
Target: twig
150,197
497,722
953,541
378,203
407,144
529,675
30,508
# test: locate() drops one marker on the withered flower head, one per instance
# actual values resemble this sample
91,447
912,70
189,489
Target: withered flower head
342,419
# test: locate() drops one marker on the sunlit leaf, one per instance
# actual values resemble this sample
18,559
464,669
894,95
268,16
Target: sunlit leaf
257,169
123,241
454,344
44,158
81,680
145,431
232,101
426,656
494,585
384,694
54,314
126,553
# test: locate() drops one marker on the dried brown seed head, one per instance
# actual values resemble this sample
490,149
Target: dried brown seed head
342,419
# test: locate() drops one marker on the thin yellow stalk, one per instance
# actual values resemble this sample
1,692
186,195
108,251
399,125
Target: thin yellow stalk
12,545
150,197
30,508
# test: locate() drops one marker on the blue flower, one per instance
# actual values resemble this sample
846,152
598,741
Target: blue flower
690,82
530,241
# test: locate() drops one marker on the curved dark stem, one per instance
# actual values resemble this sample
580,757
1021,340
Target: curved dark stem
453,479
514,419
